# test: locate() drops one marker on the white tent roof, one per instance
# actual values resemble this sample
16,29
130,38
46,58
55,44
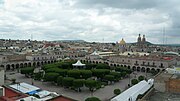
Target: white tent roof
78,63
132,93
94,53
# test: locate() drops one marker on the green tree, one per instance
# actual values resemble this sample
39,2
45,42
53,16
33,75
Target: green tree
123,74
134,81
153,72
102,66
67,81
100,73
90,66
91,84
38,76
62,72
51,77
119,69
86,74
117,91
109,78
59,80
92,99
74,73
117,76
27,71
49,66
78,83
140,78
123,69
54,69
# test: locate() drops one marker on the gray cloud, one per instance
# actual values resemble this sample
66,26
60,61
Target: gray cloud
91,20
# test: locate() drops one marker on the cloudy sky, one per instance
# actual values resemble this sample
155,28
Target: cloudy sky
91,20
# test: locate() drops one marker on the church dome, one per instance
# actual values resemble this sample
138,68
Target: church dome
122,42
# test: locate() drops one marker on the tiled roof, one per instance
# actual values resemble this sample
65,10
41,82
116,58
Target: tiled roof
62,98
11,95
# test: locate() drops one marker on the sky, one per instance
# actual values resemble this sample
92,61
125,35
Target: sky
91,20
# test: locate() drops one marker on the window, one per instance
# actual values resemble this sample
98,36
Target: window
136,62
143,63
161,65
148,63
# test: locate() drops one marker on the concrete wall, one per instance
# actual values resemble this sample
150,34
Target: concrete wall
1,77
16,57
3,59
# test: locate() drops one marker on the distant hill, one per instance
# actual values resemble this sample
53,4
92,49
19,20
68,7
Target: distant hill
71,41
172,45
147,43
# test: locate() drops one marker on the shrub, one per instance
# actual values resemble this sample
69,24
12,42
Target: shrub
140,78
92,99
134,81
117,91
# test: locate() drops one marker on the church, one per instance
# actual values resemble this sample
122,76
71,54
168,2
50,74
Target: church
141,42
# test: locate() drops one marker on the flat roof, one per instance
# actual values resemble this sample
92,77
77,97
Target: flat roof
134,91
24,87
43,93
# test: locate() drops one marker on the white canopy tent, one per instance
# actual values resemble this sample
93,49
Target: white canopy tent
79,64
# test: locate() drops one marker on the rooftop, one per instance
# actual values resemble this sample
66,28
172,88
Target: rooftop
12,95
62,98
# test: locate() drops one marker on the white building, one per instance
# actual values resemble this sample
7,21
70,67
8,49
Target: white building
132,93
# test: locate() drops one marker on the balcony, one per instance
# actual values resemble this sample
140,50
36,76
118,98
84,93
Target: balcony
161,67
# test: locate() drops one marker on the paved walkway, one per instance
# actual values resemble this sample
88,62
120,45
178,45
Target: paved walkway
104,93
